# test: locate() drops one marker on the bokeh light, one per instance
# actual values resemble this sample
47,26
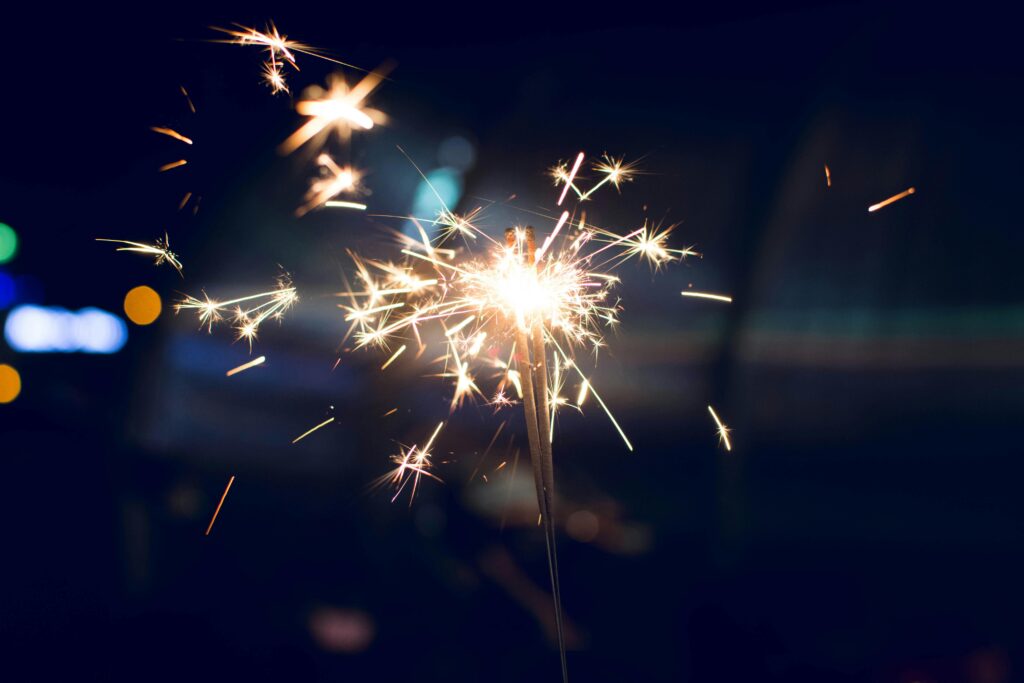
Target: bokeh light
8,243
10,383
142,305
42,329
7,290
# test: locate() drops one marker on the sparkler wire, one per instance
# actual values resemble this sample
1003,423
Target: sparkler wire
538,429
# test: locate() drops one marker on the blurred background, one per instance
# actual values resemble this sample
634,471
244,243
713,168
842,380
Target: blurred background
865,527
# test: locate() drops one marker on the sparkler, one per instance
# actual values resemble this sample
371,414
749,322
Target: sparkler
249,311
160,250
504,313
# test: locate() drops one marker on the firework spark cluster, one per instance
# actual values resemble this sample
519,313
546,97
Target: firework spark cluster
279,52
247,313
160,250
487,303
513,316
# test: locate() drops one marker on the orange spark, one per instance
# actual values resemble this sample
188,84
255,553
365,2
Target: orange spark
245,366
173,164
302,436
217,511
895,198
170,132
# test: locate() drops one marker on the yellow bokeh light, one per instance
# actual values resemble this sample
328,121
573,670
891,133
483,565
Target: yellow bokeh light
142,305
10,383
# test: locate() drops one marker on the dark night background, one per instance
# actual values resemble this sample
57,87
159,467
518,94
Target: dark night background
866,527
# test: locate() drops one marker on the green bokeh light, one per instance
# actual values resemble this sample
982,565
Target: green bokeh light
8,243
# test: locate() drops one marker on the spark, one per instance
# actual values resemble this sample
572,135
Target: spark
219,504
306,433
274,78
175,135
160,250
412,463
277,46
390,412
708,295
828,177
332,181
180,137
458,328
279,51
171,133
895,198
615,171
649,243
723,431
554,233
257,308
570,177
173,164
399,352
188,99
333,204
584,390
245,366
338,108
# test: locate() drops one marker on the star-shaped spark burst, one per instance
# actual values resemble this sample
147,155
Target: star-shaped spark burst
333,180
247,312
410,465
338,108
160,250
280,51
612,170
723,431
